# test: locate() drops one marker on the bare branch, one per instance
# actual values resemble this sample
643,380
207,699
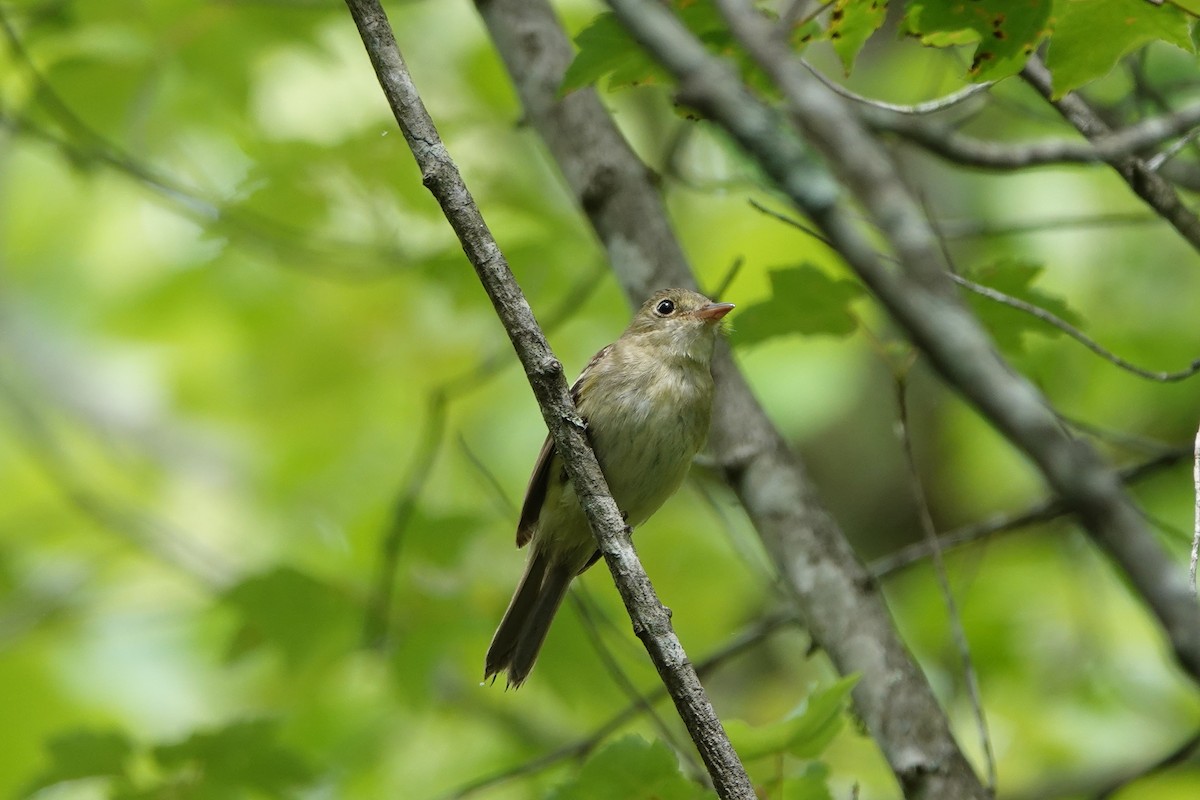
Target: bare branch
378,619
918,109
918,296
1044,510
1196,526
969,229
939,567
585,609
842,607
1073,332
651,620
752,636
379,602
1114,148
1021,305
1146,183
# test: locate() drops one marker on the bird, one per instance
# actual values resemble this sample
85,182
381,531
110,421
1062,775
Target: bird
646,400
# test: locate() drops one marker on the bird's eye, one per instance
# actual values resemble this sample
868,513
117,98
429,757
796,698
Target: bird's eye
665,308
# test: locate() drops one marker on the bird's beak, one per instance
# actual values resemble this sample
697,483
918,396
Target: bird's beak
714,311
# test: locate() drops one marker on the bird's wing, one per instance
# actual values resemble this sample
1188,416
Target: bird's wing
539,482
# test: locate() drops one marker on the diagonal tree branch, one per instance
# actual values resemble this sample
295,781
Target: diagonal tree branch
1146,184
1052,319
651,620
766,626
1109,147
918,109
1044,510
919,296
841,604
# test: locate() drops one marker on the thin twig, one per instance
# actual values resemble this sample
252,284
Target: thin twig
755,634
129,522
970,676
917,295
730,276
584,607
797,14
1122,439
1143,88
650,619
795,223
1021,305
377,620
1051,319
917,109
1196,527
1155,162
1041,511
962,229
379,602
1114,148
89,146
506,508
1147,184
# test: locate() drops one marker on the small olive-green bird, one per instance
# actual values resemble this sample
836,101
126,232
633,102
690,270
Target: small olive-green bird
646,398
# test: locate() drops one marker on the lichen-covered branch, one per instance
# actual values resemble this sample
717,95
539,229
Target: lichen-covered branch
840,603
650,619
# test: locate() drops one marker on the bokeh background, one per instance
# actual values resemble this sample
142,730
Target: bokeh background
240,351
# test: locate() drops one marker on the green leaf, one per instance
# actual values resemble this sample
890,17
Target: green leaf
1005,33
803,300
804,734
1091,37
631,769
811,784
79,754
293,612
243,755
607,51
1009,325
851,23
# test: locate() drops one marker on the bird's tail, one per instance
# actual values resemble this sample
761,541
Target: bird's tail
517,641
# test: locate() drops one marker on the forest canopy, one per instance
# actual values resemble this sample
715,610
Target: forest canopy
263,441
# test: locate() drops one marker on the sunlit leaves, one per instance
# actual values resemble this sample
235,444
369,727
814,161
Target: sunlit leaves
851,23
1087,37
1009,325
216,764
295,402
804,300
1004,33
606,50
1091,36
291,612
241,755
804,734
631,769
810,784
80,754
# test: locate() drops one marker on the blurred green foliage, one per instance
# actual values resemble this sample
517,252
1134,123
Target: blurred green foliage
231,320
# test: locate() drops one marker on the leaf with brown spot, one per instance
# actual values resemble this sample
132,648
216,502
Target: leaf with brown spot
1004,32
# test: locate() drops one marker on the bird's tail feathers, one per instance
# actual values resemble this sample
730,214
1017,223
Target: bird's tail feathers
517,641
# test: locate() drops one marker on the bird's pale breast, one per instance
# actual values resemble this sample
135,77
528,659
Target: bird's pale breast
647,436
